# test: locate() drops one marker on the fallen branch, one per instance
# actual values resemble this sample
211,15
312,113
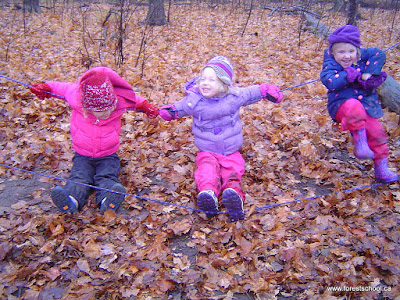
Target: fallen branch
315,26
389,94
292,10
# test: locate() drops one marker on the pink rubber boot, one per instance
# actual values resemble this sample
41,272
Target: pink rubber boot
361,148
383,173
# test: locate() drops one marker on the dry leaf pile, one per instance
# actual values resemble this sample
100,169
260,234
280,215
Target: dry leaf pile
152,251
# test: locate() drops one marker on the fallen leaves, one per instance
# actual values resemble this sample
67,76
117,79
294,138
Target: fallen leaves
292,150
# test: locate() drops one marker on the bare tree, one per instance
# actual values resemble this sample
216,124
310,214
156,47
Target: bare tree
248,16
119,50
32,6
353,13
156,13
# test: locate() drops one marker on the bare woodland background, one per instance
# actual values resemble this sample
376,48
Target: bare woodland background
292,150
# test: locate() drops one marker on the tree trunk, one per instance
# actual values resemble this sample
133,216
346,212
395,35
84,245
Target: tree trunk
353,12
389,94
32,6
385,4
156,13
339,5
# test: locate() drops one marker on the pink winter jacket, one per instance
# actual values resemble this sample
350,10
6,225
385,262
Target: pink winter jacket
88,137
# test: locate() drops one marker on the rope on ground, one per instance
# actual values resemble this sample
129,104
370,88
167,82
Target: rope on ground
321,196
99,188
192,208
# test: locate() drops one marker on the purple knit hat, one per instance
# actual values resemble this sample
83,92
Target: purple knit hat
345,34
223,68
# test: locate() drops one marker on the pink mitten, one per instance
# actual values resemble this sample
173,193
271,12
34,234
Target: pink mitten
168,112
271,92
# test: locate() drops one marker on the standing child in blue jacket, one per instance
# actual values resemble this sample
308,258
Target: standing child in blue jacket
214,105
351,75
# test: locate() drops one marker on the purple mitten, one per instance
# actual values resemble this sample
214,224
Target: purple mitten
168,112
271,92
352,74
373,81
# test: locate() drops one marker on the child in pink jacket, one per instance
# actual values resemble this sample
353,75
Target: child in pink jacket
98,100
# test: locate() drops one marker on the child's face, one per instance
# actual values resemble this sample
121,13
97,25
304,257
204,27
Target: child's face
102,115
209,84
345,54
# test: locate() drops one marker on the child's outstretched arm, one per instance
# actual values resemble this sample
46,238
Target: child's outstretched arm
43,91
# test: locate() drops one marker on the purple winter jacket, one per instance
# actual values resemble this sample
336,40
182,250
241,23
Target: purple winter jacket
216,124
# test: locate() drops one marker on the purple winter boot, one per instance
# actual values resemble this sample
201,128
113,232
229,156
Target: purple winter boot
234,204
361,148
207,201
383,173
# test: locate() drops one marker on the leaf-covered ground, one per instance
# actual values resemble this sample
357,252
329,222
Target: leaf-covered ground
154,251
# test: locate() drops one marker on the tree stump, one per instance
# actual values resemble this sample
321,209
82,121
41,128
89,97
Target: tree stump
389,94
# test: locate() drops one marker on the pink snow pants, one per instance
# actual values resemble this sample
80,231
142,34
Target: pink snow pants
218,172
352,116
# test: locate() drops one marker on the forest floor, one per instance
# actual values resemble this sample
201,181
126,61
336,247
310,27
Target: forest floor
16,192
332,226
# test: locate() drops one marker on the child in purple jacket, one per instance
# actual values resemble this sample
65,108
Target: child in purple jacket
98,99
351,75
214,104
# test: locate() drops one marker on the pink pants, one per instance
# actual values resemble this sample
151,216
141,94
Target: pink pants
218,172
352,116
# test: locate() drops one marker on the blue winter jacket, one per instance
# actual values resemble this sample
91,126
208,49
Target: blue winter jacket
216,124
334,77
